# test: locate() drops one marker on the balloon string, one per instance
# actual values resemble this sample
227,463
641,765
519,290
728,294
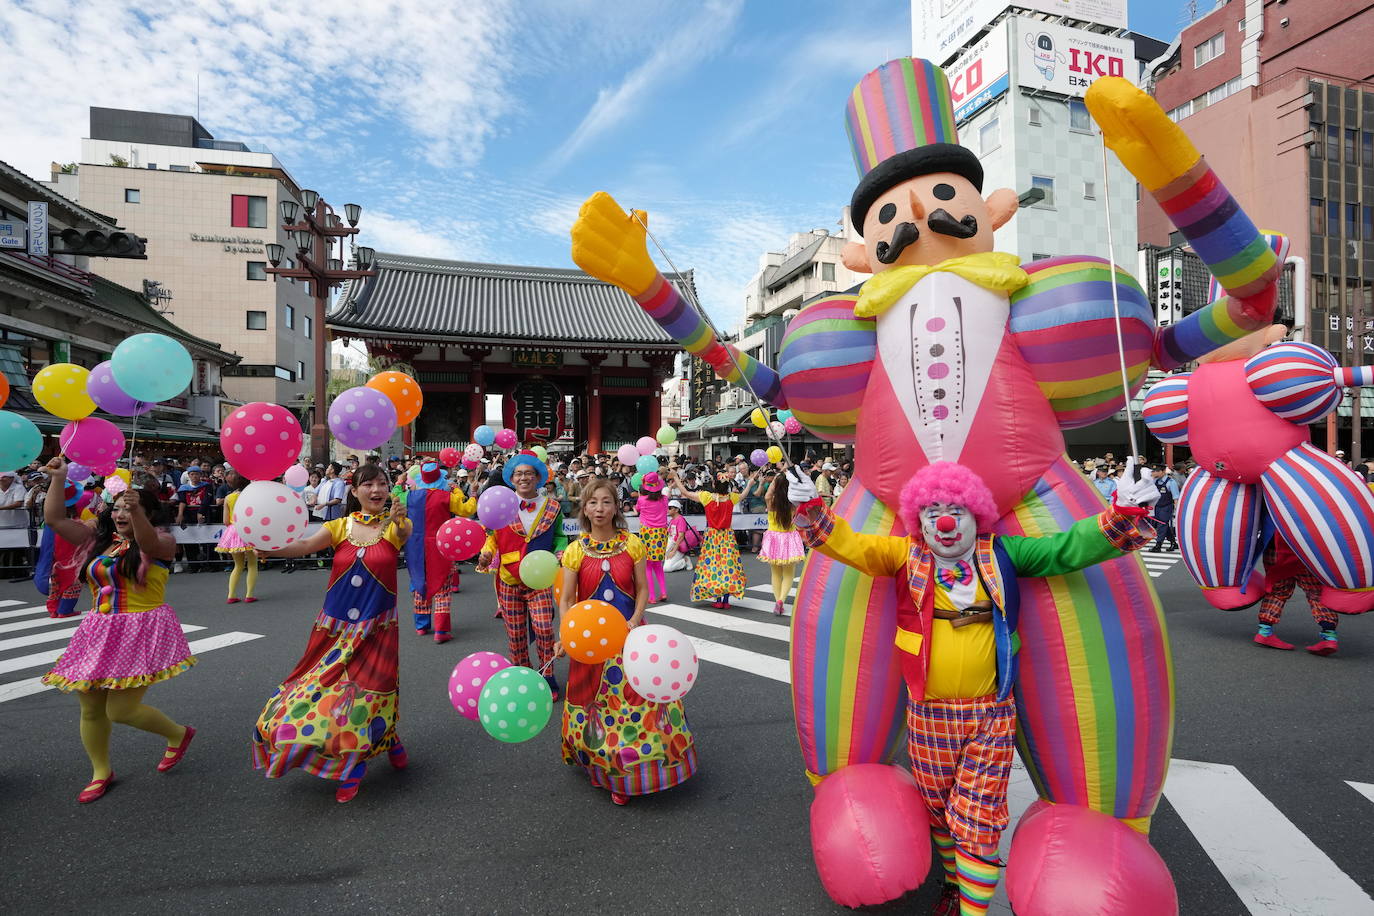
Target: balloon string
133,440
1116,301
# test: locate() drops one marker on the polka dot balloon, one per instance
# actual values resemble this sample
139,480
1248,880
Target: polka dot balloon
269,515
498,507
61,390
261,440
469,677
660,663
593,631
362,418
460,539
515,704
92,441
403,392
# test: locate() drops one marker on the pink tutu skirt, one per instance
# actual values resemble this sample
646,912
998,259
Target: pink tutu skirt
119,651
230,542
782,548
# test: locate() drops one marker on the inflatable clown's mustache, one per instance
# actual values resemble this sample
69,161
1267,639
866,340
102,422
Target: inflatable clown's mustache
907,234
903,237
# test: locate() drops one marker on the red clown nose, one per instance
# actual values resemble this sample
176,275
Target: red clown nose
945,524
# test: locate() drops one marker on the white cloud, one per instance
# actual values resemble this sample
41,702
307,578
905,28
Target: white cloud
450,239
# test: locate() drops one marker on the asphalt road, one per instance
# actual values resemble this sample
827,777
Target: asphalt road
476,826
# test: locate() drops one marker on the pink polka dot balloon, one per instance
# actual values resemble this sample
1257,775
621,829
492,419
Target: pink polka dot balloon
469,677
362,418
506,438
105,469
791,426
92,441
469,464
261,440
460,539
498,507
269,515
660,663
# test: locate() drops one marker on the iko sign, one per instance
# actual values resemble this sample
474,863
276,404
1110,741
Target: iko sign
1064,60
939,28
980,75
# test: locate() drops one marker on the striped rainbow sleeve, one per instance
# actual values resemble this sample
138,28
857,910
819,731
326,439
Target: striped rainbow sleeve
672,312
1210,327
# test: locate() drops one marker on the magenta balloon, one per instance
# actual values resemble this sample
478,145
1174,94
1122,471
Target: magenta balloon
92,441
851,806
362,418
792,425
506,438
109,397
261,440
469,677
498,507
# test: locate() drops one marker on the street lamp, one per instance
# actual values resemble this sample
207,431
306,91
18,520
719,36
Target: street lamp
352,212
366,256
309,199
275,253
289,210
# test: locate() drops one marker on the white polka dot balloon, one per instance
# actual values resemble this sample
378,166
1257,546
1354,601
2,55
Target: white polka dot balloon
469,677
515,704
261,440
269,515
660,662
362,418
460,539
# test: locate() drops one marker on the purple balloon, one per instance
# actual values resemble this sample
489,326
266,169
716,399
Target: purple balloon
77,472
362,418
758,457
109,397
498,507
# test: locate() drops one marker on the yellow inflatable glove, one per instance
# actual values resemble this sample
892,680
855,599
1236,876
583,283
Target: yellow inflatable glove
609,244
1152,147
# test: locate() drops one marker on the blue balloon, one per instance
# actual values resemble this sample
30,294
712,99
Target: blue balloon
20,440
151,367
484,436
784,415
646,463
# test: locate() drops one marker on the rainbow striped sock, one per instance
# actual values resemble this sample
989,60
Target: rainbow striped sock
977,883
944,846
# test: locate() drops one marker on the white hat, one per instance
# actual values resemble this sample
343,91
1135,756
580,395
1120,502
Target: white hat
462,472
1341,452
674,504
829,467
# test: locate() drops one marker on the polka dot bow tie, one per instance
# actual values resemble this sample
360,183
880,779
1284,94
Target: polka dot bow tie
527,505
960,573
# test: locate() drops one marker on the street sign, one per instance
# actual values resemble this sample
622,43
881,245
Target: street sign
12,236
38,229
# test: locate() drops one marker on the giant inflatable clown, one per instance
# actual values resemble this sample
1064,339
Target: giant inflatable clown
954,352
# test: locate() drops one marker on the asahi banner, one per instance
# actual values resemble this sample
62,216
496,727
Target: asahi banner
980,75
1054,58
939,28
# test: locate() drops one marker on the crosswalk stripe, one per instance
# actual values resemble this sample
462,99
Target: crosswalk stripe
42,658
32,639
757,604
31,624
9,602
769,588
32,685
1364,788
742,659
1271,865
24,611
723,621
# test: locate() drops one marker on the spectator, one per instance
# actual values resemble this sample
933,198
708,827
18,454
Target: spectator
310,493
332,493
194,499
12,493
1105,483
825,483
164,482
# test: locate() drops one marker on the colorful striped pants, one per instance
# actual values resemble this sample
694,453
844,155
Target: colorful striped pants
1271,606
525,609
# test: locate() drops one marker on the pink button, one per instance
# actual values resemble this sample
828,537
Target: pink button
935,324
940,412
938,370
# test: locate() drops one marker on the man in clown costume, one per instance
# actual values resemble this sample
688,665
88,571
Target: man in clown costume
539,527
433,578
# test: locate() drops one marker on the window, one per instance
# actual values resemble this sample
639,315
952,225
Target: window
1318,210
179,168
153,166
1352,139
307,323
1210,49
1352,221
286,375
1078,116
1333,142
257,321
289,316
1333,217
1367,223
300,371
248,212
1242,25
1090,190
131,195
1033,116
1046,185
1367,149
257,270
989,136
827,272
1039,256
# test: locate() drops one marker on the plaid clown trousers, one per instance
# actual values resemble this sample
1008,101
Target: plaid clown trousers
1271,605
525,609
961,753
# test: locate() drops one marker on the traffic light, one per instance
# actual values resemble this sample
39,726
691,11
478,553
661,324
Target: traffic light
97,244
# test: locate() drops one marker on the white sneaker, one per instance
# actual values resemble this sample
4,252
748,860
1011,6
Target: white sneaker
178,567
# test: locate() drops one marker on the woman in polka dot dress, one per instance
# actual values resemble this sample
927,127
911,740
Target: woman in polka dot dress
337,708
627,745
720,572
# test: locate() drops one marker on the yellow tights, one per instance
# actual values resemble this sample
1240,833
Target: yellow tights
782,581
241,560
100,709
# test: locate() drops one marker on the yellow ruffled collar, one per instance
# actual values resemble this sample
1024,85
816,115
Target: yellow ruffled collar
994,270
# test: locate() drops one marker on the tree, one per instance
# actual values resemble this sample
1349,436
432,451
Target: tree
67,168
118,161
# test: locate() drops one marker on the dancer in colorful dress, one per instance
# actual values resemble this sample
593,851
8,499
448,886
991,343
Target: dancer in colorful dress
433,578
129,639
652,509
1283,570
782,545
720,572
338,707
539,527
627,745
244,557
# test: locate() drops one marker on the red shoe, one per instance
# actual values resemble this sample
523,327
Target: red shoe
619,799
1272,642
442,637
496,616
348,790
95,789
232,601
777,608
398,757
166,763
423,631
249,600
1323,647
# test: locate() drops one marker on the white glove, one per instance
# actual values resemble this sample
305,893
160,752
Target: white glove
1132,492
800,488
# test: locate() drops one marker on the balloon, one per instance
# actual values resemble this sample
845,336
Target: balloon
784,415
541,453
92,441
627,454
758,457
484,436
646,463
666,435
778,429
109,397
538,568
4,390
593,631
497,507
402,391
515,704
116,485
121,474
270,514
506,438
646,445
460,539
474,451
261,440
296,476
852,806
151,367
774,454
76,472
414,472
660,663
362,418
469,464
637,480
61,390
20,440
104,469
792,426
469,677
759,418
449,457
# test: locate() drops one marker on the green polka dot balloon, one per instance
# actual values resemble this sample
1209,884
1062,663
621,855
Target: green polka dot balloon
515,704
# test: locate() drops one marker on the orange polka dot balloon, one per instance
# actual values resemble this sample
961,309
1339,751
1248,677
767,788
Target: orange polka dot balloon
403,391
593,631
4,389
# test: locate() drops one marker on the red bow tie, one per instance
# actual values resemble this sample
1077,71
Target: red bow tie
527,505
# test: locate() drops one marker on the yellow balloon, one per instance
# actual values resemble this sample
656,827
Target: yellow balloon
123,474
61,390
774,454
759,418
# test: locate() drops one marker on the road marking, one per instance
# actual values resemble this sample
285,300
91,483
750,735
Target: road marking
42,658
9,602
723,621
1271,865
769,589
25,611
32,685
31,624
776,669
1364,788
756,604
19,642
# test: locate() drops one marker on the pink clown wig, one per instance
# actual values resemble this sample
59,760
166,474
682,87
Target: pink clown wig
949,483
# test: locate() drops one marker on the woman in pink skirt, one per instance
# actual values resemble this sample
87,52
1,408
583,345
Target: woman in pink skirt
782,544
130,639
245,557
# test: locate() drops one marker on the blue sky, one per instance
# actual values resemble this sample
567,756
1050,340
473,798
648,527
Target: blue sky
472,130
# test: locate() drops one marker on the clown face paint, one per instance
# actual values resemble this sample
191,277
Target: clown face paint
950,531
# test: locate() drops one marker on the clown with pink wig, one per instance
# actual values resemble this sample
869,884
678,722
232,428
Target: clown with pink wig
958,604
